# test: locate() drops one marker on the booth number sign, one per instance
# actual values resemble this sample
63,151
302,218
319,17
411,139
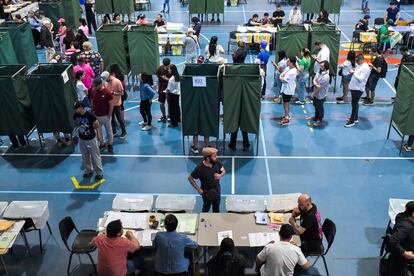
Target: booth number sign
199,81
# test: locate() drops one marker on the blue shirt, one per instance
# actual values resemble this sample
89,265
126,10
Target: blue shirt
392,14
263,56
145,92
169,252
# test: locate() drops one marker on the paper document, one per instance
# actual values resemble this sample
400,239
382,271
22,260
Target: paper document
187,223
224,234
6,238
261,239
5,224
129,220
147,237
276,218
261,218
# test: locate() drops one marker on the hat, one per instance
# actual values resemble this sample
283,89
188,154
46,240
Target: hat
190,30
367,16
409,208
200,59
105,75
207,151
263,44
61,20
79,104
97,81
390,21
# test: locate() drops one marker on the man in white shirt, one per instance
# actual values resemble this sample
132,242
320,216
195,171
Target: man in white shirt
280,258
288,79
357,86
323,55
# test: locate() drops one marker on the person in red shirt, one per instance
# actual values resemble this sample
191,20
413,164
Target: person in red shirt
113,250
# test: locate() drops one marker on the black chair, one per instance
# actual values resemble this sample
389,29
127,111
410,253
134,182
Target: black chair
29,226
81,243
329,231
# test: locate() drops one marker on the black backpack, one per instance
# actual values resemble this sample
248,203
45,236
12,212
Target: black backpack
384,69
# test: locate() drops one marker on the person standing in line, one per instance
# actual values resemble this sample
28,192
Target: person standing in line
263,59
46,40
35,25
191,46
84,27
406,57
364,6
93,58
303,66
91,157
321,88
81,89
173,97
89,73
62,34
115,70
146,94
357,86
164,75
90,15
378,70
279,68
323,55
210,171
347,70
288,78
102,107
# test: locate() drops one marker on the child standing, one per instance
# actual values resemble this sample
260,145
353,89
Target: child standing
146,95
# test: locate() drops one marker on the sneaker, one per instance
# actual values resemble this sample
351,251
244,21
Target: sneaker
407,148
102,147
284,122
365,98
146,128
168,119
98,177
218,20
212,20
368,103
172,126
299,102
115,133
194,150
110,149
341,102
162,120
339,98
349,124
318,123
162,11
87,174
142,123
123,135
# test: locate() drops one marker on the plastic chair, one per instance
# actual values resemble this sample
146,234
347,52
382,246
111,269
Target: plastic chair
81,243
329,231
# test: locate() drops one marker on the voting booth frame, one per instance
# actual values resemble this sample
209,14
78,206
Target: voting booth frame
205,7
70,10
402,119
204,86
315,6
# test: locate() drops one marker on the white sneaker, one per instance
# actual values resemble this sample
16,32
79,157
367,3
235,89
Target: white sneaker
146,128
142,123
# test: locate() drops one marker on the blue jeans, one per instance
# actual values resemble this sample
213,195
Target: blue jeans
364,4
166,3
301,85
277,83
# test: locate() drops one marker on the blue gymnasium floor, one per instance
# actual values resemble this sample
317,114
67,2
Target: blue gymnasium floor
350,173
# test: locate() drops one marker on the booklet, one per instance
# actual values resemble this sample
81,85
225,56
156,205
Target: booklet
224,234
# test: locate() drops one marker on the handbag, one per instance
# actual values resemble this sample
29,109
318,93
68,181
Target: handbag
340,72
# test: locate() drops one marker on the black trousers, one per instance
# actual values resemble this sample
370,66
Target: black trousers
117,112
356,96
309,16
410,141
36,36
215,203
15,139
174,107
145,110
90,18
233,139
319,110
397,265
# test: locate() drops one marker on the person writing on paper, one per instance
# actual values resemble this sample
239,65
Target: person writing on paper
227,261
169,249
113,249
310,229
210,171
281,257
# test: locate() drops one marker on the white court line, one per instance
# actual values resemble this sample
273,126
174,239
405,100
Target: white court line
128,109
92,193
346,37
233,176
390,86
409,15
269,180
244,15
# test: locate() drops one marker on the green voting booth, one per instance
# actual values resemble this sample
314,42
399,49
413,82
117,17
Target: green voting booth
7,54
70,10
292,39
104,6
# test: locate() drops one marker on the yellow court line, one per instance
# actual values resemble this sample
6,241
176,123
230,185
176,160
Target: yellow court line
92,186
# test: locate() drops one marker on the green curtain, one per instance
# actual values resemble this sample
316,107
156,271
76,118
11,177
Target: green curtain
332,39
7,54
332,6
52,97
200,105
22,39
403,112
242,90
113,45
72,12
292,41
214,6
123,6
311,6
53,10
16,115
104,6
143,49
197,6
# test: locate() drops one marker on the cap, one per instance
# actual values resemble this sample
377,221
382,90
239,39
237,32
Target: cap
409,208
105,75
61,20
207,151
390,21
200,59
79,104
367,16
190,30
97,81
263,44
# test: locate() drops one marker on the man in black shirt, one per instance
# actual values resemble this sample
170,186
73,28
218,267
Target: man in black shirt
91,157
406,57
377,65
402,241
163,74
254,21
210,171
46,40
310,228
278,15
363,24
159,22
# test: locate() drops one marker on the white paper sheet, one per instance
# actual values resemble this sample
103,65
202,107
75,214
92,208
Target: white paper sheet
261,239
147,237
129,220
224,234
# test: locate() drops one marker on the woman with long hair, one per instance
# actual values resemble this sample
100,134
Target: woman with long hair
173,96
69,38
146,95
303,66
213,50
80,37
347,69
227,261
115,70
83,26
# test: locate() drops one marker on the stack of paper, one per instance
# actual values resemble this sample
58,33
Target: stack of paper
147,237
261,218
129,220
187,223
5,224
276,218
224,234
261,239
6,238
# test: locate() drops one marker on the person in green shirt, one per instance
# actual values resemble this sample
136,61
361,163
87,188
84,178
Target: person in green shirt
384,38
303,66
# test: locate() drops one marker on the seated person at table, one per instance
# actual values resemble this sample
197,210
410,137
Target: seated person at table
113,249
266,19
322,19
278,15
227,262
310,229
254,21
393,13
295,16
363,24
142,20
281,257
160,22
169,249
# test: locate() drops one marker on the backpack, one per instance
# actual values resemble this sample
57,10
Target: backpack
384,69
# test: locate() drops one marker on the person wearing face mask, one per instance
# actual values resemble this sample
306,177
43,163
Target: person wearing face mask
321,87
210,171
